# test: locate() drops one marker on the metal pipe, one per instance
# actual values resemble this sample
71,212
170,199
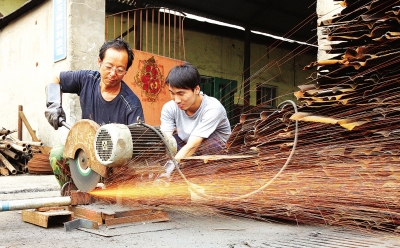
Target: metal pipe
10,154
4,131
5,146
23,167
34,143
35,203
8,164
15,146
3,170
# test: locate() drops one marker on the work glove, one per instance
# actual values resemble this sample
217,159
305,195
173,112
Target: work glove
54,112
169,167
163,179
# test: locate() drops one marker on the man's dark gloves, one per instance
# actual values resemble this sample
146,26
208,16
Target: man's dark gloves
54,112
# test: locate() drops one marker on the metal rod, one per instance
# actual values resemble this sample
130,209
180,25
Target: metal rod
127,26
183,44
152,31
174,34
179,37
107,29
120,24
114,27
134,30
66,125
164,35
140,30
34,203
145,38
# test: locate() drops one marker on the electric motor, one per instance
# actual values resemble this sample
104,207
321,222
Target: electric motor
117,144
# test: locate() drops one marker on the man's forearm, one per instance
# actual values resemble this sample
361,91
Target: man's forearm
184,152
190,148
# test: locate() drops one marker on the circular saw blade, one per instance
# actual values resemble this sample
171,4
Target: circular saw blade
85,179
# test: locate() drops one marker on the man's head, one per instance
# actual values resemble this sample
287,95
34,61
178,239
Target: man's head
115,58
184,76
184,87
119,45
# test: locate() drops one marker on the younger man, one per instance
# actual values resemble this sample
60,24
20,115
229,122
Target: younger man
200,121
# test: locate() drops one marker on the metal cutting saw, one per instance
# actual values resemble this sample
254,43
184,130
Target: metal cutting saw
97,152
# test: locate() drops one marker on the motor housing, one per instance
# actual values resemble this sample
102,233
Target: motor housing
117,144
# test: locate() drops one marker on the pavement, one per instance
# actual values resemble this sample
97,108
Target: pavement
186,228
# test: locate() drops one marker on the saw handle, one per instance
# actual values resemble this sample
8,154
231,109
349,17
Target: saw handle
63,123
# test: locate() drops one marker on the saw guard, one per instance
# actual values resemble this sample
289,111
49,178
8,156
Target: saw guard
81,136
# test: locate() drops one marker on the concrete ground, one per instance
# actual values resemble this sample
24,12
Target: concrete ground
185,229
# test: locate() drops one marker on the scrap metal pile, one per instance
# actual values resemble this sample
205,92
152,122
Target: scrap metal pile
15,155
346,165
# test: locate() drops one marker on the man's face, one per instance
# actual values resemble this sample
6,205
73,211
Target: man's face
113,67
184,98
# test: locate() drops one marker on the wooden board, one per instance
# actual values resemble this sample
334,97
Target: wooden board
44,219
159,216
44,149
86,213
116,215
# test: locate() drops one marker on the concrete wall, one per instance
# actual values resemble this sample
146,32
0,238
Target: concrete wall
26,61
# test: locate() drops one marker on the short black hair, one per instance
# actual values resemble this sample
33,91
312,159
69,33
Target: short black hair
120,45
184,76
